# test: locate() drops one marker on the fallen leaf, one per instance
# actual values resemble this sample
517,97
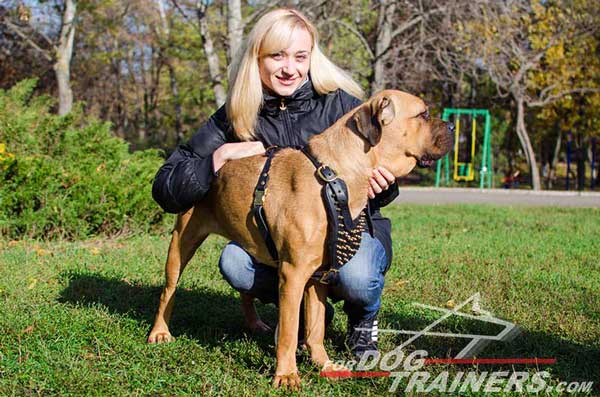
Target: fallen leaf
32,283
12,243
450,304
42,252
28,330
402,283
95,251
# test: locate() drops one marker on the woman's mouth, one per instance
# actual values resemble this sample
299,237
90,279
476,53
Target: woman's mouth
287,81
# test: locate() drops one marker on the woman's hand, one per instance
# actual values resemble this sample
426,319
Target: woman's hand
380,180
235,150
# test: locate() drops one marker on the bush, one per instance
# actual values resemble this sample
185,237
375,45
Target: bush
67,176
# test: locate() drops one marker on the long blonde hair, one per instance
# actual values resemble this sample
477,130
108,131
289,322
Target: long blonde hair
272,33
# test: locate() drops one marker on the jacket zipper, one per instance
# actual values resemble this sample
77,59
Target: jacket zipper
287,122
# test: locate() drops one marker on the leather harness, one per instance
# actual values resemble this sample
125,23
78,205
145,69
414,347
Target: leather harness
343,233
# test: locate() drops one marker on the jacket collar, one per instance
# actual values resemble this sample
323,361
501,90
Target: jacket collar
298,101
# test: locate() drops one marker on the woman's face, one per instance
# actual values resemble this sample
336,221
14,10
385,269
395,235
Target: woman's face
283,72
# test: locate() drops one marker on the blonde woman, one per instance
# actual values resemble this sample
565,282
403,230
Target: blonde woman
283,91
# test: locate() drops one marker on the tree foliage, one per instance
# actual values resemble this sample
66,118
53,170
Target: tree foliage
154,68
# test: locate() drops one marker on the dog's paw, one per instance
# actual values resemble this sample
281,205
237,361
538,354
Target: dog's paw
290,381
160,337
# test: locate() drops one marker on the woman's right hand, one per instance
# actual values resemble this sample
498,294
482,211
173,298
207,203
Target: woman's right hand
235,150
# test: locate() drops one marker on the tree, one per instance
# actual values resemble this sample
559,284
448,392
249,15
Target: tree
58,51
511,41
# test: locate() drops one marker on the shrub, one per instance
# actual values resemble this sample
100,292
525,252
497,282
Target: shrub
68,176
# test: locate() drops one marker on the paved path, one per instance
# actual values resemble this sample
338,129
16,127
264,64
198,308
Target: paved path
429,195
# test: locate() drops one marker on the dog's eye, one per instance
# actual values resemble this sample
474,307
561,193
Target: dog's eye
425,115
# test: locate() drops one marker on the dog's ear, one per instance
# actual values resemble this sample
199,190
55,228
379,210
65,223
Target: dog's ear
369,119
386,111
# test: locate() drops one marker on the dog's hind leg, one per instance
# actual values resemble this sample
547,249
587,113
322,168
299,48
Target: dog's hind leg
187,237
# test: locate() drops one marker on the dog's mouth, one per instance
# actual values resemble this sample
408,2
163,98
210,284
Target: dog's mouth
426,161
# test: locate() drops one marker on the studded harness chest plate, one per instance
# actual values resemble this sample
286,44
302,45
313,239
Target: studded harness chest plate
344,234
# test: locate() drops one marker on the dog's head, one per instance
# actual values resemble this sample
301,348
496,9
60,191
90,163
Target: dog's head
398,126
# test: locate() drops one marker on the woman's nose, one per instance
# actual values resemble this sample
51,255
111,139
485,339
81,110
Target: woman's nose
288,67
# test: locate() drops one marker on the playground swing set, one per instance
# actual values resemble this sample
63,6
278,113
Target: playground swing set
464,153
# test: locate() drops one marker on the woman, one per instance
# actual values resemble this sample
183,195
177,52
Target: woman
283,90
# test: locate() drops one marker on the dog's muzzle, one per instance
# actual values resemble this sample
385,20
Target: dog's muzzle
425,161
443,141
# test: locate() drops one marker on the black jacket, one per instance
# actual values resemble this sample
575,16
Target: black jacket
187,174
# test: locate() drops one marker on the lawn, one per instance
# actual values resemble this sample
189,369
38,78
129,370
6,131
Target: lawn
75,314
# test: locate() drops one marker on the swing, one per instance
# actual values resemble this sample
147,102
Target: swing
464,167
464,150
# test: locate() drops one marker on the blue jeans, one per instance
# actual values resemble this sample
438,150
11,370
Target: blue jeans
360,280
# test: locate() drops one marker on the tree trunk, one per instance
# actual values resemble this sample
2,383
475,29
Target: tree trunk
235,27
175,93
384,39
172,76
214,68
64,53
526,144
552,174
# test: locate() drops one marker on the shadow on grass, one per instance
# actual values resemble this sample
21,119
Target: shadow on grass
574,361
211,318
200,313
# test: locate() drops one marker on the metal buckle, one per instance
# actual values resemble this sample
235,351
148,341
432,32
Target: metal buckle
326,274
322,176
259,197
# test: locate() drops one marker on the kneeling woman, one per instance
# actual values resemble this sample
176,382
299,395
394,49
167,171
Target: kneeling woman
283,90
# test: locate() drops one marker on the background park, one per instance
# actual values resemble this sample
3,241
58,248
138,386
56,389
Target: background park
95,93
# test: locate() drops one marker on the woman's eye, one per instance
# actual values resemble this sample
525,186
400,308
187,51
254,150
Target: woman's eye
301,58
277,56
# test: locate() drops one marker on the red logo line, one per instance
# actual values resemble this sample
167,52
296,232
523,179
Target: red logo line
475,361
357,374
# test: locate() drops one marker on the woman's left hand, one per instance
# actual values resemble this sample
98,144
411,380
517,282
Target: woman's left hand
380,180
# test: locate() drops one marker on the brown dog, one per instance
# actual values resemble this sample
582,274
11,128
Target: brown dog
392,129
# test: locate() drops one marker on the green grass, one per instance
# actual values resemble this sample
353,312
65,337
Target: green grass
74,315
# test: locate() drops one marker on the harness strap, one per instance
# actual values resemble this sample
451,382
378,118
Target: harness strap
340,240
259,199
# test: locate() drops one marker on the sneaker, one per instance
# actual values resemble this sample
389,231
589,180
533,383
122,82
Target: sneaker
362,337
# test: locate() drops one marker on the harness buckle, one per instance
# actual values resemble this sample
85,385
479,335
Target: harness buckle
326,274
259,197
322,175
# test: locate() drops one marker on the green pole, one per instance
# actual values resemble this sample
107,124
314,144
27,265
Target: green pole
490,164
484,179
438,172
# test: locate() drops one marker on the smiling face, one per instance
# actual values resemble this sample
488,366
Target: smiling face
283,71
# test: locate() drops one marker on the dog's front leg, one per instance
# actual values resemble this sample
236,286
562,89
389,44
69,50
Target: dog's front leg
315,298
292,280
